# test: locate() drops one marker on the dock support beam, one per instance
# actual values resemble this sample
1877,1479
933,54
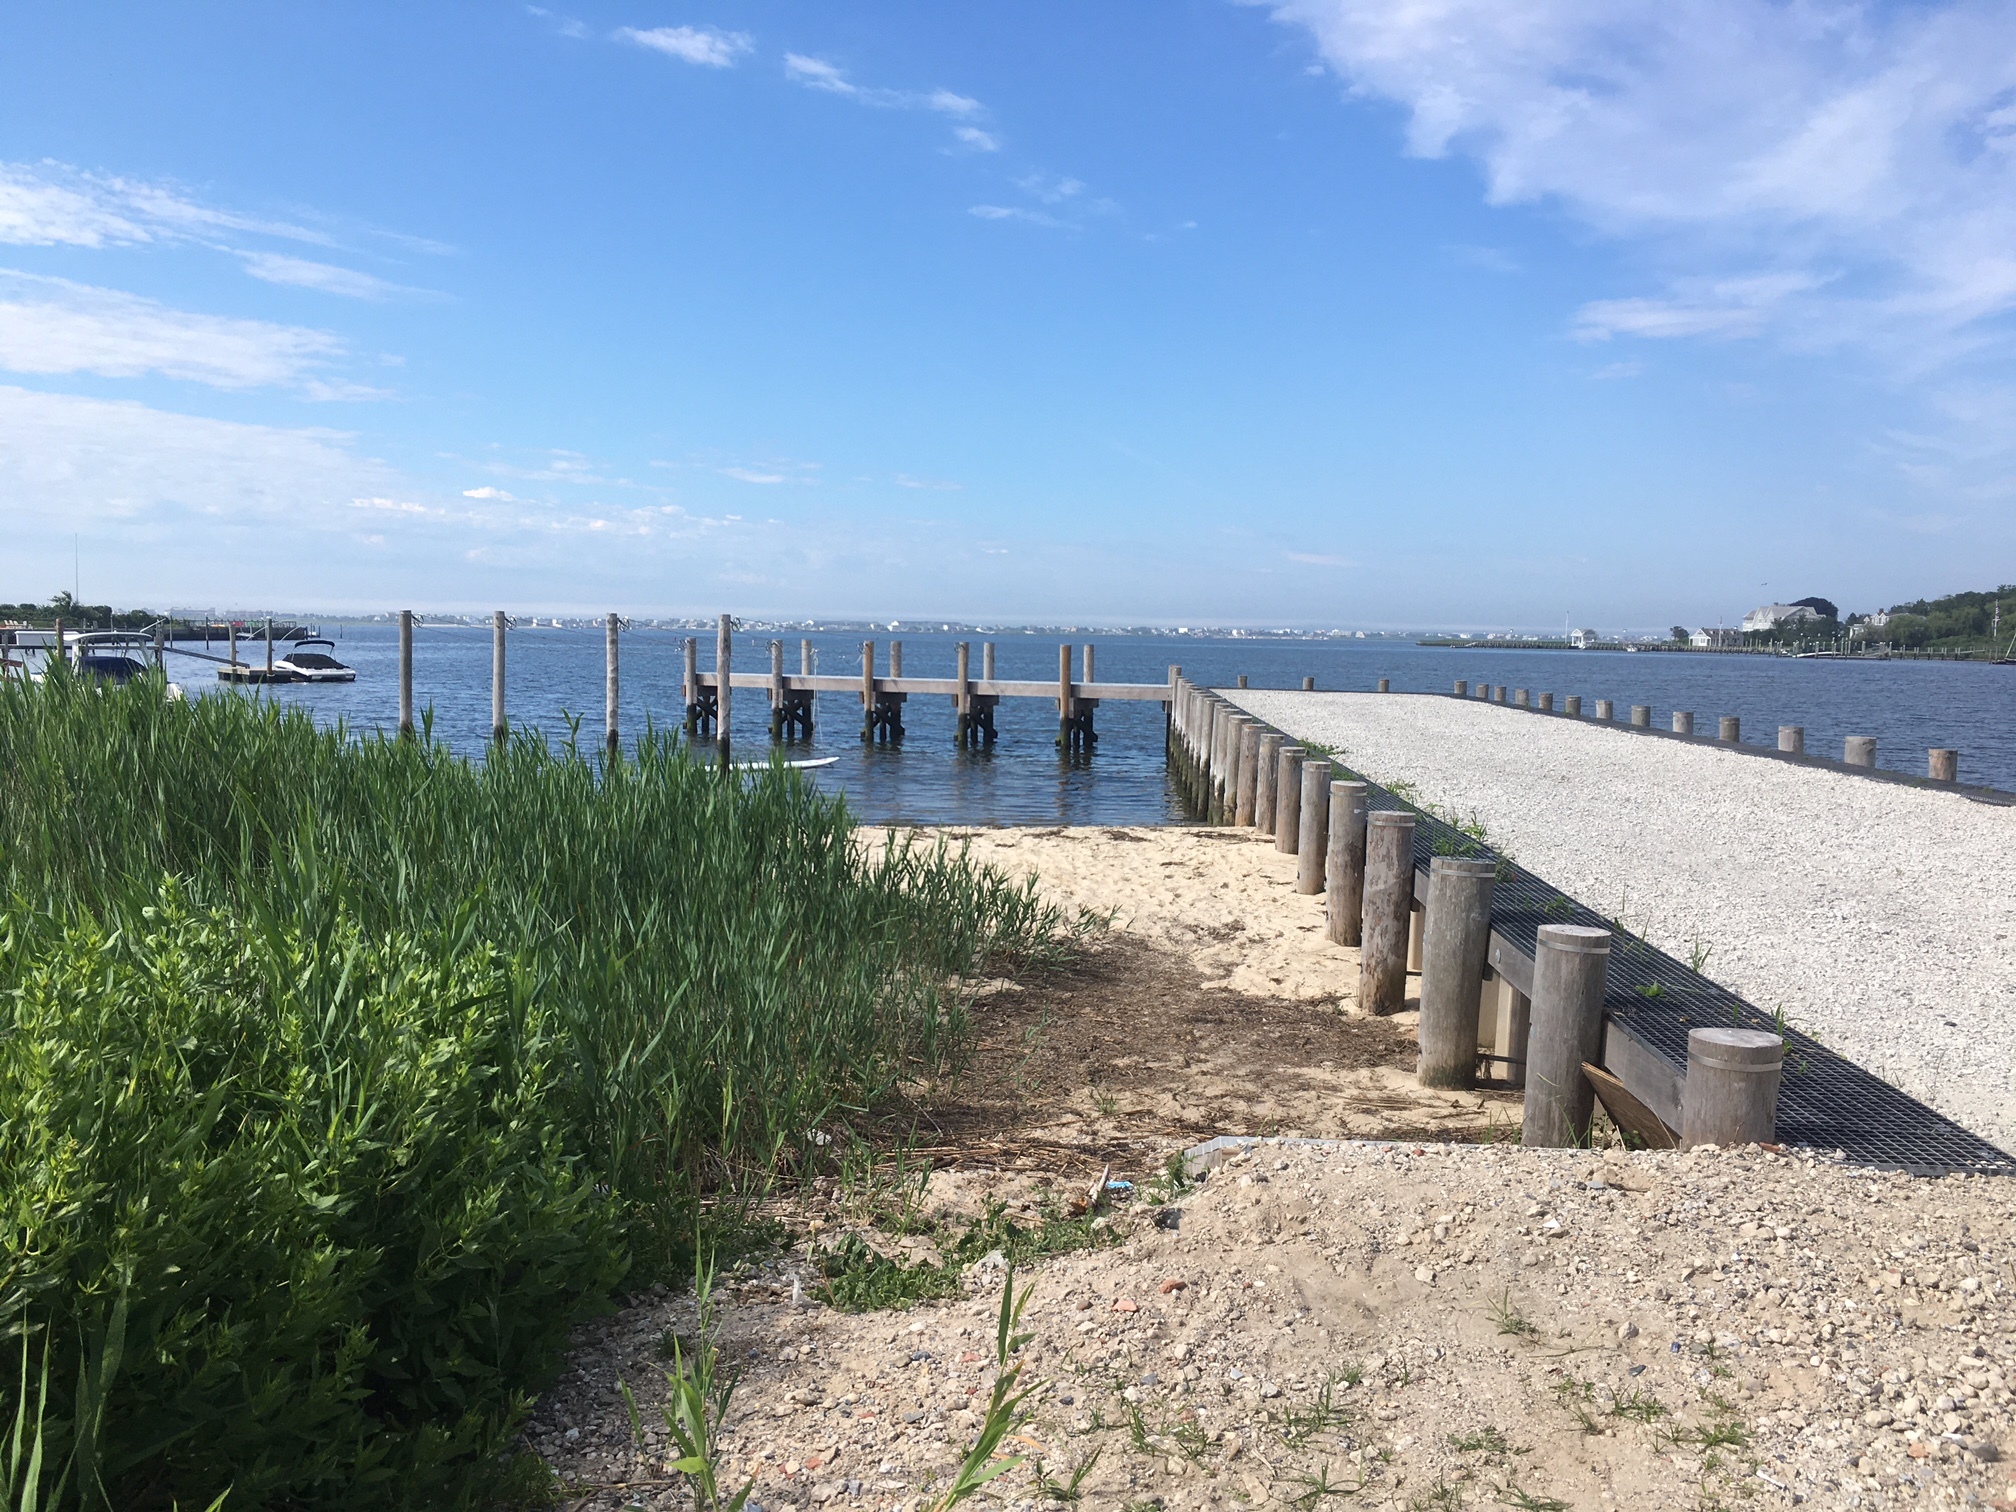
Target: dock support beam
499,730
610,686
1344,865
1389,903
1456,937
1313,844
1571,965
724,690
405,673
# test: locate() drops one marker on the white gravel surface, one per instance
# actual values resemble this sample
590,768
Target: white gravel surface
1881,918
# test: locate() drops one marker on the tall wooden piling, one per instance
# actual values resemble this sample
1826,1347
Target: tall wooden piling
1859,750
1313,845
499,730
1683,722
1942,764
1456,937
232,628
405,674
987,661
724,693
691,676
1730,728
1792,738
1547,701
1064,698
962,701
1249,771
868,690
1520,698
1570,967
1572,706
776,690
1389,904
1288,799
1344,865
1641,716
269,649
1731,1092
611,687
1605,710
1265,777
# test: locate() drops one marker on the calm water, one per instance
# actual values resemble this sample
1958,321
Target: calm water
556,675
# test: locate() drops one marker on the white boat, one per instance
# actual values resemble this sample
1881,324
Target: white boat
805,765
312,661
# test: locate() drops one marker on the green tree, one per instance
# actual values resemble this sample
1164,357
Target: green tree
1680,634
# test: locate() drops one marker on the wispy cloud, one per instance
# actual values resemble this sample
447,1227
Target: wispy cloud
904,480
53,204
1866,153
486,492
326,278
1721,307
703,45
1317,559
830,78
752,475
50,325
1050,188
1015,213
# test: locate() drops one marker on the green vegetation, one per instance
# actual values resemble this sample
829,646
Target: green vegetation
1957,622
76,616
1486,1440
338,1077
1003,1405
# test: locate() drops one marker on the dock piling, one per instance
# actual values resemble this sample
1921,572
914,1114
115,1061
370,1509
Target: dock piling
1456,936
1942,765
1385,684
1683,722
269,648
1249,772
776,690
1859,750
499,730
1265,778
1312,845
1462,688
1605,710
695,714
1308,685
405,673
1570,968
1730,728
724,692
1792,738
610,686
1731,1092
1572,705
1641,716
1288,799
1344,865
1389,903
1547,701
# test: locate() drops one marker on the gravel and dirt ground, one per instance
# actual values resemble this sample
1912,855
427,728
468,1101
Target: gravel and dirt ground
1425,1322
1880,918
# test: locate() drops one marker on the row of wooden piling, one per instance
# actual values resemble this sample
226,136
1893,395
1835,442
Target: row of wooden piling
1942,764
1233,768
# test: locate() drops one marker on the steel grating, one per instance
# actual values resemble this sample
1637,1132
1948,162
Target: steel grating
1825,1101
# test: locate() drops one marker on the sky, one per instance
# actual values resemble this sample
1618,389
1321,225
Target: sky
1361,313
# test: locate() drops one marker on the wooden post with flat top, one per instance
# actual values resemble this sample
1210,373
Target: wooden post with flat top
499,730
1313,844
724,676
609,683
1344,865
405,674
1389,903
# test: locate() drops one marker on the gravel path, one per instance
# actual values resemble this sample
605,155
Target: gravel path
1880,918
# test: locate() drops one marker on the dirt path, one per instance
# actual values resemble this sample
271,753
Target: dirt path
1421,1325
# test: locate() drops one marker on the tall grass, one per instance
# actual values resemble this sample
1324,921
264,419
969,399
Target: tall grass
637,984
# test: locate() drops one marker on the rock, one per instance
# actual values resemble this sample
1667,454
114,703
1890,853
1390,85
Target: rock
1425,1274
1125,1305
1172,1286
1626,1331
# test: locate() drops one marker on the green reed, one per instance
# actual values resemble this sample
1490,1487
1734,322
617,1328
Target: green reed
715,967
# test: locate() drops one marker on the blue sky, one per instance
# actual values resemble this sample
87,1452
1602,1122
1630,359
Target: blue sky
1359,312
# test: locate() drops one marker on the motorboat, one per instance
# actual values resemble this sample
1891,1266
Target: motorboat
314,661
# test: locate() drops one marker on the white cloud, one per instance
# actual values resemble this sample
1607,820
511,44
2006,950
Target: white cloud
1317,559
1050,188
1014,213
65,458
1870,151
751,475
904,480
817,73
327,278
485,492
73,328
52,204
692,44
978,140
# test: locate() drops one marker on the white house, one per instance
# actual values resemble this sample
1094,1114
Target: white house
1771,616
1715,638
1582,640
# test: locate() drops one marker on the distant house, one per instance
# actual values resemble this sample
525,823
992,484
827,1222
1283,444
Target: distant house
1771,616
1715,638
1582,640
